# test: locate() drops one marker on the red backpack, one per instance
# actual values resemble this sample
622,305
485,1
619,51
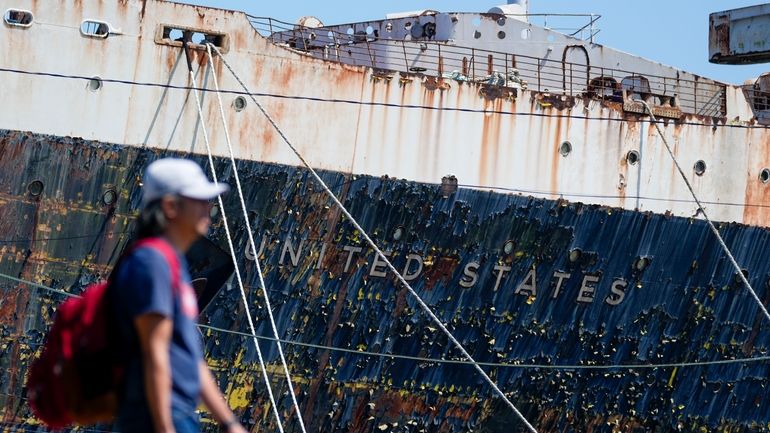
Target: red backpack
76,378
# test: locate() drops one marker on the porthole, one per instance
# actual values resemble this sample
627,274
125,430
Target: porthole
641,263
35,188
501,21
525,33
575,254
509,247
565,148
408,25
174,34
18,18
632,157
239,103
198,38
398,233
737,277
477,34
389,27
417,31
95,29
501,35
369,30
350,31
700,167
109,197
764,175
94,84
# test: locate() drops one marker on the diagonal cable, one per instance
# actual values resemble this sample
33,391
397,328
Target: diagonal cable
253,247
382,256
705,216
232,248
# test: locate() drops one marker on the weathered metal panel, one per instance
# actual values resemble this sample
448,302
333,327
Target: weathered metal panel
520,308
359,126
351,119
482,45
513,142
739,36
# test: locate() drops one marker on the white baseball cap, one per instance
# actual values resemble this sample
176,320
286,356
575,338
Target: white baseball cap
180,177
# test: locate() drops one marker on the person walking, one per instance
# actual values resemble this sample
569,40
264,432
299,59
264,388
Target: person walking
166,376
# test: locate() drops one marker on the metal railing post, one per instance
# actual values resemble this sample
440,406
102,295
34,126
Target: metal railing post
506,68
406,60
695,96
612,91
473,62
369,50
304,41
336,46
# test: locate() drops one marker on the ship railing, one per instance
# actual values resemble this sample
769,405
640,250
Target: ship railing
714,106
448,63
757,98
759,101
566,24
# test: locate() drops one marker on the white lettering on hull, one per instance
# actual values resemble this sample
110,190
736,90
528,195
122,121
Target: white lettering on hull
414,264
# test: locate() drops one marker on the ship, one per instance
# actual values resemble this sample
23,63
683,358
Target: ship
515,175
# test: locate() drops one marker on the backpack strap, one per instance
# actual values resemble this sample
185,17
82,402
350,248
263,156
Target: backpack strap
168,252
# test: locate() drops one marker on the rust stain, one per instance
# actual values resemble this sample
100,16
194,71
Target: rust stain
144,8
491,139
555,159
336,387
757,194
440,271
625,183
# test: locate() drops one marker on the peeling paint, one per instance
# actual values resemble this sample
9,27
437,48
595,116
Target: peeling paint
684,306
580,284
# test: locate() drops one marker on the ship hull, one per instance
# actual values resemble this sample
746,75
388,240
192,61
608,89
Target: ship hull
559,300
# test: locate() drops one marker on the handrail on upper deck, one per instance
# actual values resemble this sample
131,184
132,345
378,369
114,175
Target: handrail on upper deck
468,64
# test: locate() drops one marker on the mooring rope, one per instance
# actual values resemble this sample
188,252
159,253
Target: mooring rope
232,248
252,244
374,246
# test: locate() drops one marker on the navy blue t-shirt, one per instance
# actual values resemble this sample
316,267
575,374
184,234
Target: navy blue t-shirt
142,285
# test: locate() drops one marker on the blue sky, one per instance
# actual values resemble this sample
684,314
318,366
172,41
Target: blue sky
673,32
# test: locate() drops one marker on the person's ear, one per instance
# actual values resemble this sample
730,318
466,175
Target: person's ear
170,207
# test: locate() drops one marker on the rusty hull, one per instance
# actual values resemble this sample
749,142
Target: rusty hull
685,306
384,142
